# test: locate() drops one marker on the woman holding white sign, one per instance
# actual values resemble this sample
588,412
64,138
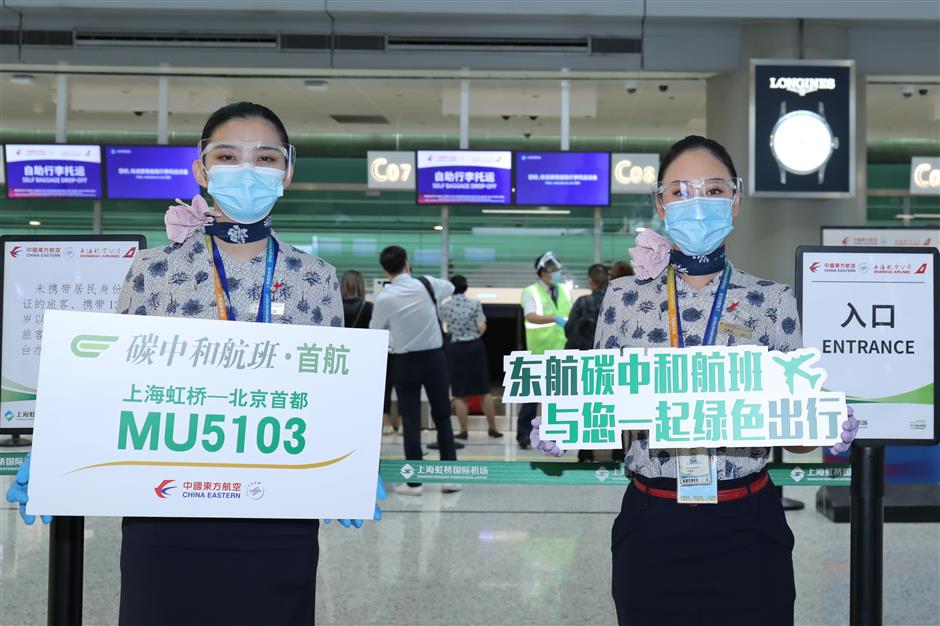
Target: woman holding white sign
227,264
675,563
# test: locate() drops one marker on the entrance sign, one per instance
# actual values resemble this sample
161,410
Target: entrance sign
52,272
872,313
703,396
170,417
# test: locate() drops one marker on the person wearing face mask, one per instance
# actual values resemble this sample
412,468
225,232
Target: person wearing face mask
546,305
728,563
227,264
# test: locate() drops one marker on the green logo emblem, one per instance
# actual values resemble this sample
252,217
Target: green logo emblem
90,346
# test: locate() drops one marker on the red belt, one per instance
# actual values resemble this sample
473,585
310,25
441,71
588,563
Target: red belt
724,495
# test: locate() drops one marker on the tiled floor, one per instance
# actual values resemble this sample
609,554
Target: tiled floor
490,555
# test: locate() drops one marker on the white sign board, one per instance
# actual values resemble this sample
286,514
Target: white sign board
925,176
171,417
633,173
702,396
390,169
54,273
877,236
872,314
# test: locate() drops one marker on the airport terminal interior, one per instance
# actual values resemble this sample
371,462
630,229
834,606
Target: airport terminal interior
376,94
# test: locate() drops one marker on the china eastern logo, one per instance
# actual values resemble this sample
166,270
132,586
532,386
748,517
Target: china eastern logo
163,489
15,251
91,346
814,266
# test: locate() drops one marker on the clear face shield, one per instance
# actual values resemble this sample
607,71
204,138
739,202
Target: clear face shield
548,261
278,156
677,190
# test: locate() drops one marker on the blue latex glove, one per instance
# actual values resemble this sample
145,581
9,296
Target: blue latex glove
849,432
19,492
561,321
548,448
380,494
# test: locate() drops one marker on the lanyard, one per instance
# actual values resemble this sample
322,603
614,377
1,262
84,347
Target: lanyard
675,324
222,298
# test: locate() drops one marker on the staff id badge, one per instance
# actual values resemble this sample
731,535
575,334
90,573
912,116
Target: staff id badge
697,478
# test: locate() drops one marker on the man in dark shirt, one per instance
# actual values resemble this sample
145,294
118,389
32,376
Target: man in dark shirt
582,322
583,319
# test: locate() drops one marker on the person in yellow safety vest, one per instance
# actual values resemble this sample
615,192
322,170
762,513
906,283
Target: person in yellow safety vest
546,304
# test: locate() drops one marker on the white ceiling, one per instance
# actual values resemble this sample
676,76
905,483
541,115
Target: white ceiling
600,107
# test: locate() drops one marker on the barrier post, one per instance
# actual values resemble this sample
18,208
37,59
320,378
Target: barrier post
867,521
66,561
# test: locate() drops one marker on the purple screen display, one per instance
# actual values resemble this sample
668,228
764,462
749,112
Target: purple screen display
464,177
53,171
151,172
563,178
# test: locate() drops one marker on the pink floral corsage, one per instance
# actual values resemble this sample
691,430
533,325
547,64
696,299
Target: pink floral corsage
651,254
182,219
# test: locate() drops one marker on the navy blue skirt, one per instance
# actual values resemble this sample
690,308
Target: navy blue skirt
218,571
729,563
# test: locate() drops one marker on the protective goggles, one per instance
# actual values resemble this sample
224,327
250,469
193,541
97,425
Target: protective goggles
676,190
547,259
257,153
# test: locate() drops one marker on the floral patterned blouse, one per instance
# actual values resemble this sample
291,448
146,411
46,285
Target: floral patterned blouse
177,281
462,315
634,314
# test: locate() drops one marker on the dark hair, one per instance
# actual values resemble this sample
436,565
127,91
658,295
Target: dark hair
620,269
697,142
243,110
393,259
460,283
352,285
599,275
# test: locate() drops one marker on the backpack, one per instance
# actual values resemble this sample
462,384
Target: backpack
582,336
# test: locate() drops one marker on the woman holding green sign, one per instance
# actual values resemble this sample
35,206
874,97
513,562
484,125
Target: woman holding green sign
731,562
226,263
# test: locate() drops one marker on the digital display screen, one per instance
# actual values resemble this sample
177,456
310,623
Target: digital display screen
464,177
151,172
563,178
53,171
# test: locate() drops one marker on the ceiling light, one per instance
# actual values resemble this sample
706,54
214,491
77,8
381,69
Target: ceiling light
316,84
640,229
22,79
438,227
539,211
35,223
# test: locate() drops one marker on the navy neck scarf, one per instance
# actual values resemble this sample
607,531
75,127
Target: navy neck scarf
234,232
710,263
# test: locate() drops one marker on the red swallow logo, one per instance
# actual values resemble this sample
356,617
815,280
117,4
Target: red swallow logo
162,489
14,251
845,241
813,266
131,252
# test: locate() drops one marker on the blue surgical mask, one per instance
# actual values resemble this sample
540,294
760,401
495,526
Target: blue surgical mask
246,193
557,278
698,225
